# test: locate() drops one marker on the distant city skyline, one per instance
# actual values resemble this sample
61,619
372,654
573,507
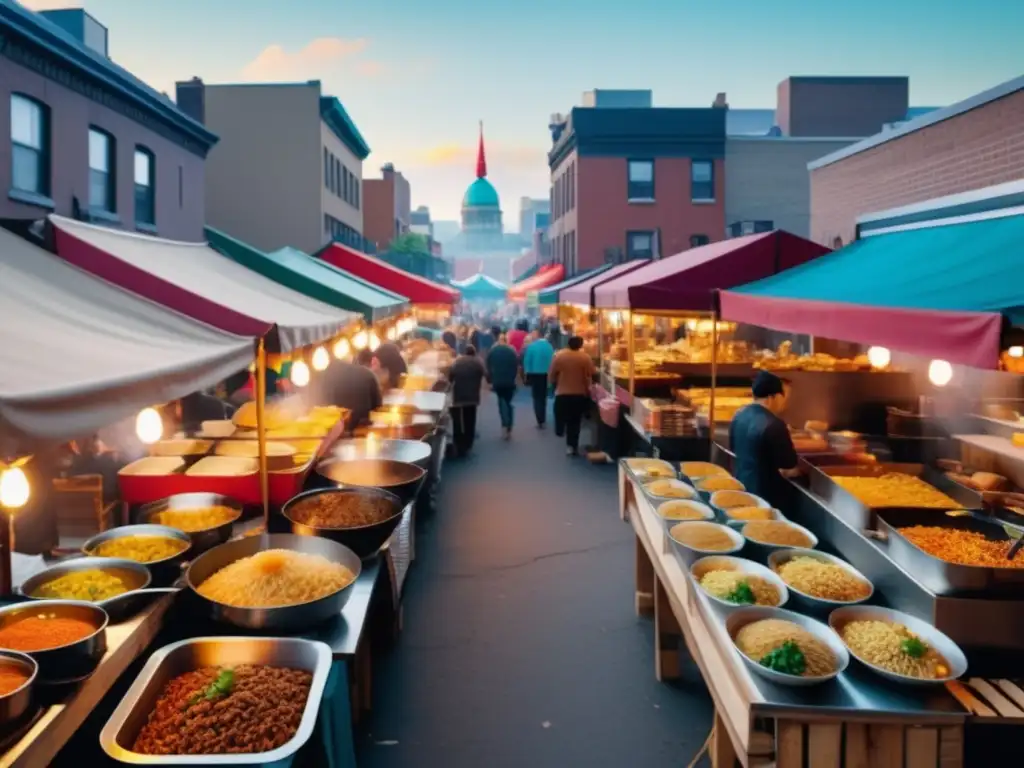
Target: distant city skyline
417,79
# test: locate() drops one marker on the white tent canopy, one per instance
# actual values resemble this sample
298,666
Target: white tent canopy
197,280
77,353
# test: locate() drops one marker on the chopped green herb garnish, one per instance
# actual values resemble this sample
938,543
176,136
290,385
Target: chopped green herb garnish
220,687
787,658
914,648
742,595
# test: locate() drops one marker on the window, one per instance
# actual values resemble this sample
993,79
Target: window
30,146
145,197
357,190
640,245
327,168
641,180
101,171
837,243
702,180
181,186
330,173
696,241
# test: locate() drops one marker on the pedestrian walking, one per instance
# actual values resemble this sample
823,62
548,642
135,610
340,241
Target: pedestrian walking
572,373
502,371
467,376
537,359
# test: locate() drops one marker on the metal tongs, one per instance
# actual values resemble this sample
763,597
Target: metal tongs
992,500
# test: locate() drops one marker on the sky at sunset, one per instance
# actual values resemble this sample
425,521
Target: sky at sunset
416,75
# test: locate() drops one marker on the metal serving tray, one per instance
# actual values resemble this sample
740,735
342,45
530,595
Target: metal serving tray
853,511
937,575
123,727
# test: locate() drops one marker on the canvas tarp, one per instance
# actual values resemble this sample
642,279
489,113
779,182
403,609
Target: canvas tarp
551,294
481,287
311,277
417,289
688,280
78,354
582,293
939,291
192,278
547,276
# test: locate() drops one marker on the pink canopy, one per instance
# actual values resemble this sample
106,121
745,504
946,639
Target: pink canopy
582,293
688,280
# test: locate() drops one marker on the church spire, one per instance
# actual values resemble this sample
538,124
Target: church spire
481,159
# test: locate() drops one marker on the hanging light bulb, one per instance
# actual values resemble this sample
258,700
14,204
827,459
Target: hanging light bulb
14,488
321,359
1015,351
342,349
879,357
300,373
374,341
392,333
940,373
360,340
149,427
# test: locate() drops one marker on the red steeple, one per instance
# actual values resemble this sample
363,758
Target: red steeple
481,159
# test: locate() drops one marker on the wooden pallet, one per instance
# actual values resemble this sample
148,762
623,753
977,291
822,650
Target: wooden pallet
990,698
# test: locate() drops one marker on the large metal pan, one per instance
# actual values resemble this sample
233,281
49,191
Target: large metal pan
397,477
289,617
206,538
409,451
72,661
364,540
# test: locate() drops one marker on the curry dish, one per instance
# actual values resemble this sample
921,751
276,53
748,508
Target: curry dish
895,489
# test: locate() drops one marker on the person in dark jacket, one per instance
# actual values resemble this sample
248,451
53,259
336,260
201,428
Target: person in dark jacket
353,386
467,376
448,337
390,359
502,371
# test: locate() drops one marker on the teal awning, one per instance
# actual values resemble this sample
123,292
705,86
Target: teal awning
940,290
551,295
309,276
481,287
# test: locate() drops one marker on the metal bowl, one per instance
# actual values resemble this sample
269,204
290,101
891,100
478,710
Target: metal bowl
762,550
755,501
950,651
286,617
690,555
741,565
64,663
409,451
207,538
706,512
707,494
817,605
364,540
402,479
678,485
122,729
739,523
743,616
16,703
698,470
167,567
118,607
641,467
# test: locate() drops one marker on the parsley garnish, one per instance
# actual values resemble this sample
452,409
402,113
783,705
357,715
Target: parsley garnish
913,647
787,658
742,595
215,690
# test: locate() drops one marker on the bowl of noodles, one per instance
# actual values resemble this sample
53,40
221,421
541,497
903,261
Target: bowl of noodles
734,582
646,468
786,647
275,581
696,539
898,646
818,582
669,488
767,536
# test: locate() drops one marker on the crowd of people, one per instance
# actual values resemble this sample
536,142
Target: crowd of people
508,359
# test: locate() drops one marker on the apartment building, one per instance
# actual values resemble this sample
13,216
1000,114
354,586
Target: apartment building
388,207
84,138
634,181
288,170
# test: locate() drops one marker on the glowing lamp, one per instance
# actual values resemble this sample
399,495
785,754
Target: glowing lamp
321,359
940,373
1015,351
149,427
374,342
879,357
14,488
342,349
300,373
392,333
360,340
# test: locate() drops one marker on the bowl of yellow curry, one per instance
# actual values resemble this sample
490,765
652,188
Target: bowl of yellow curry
159,547
103,581
207,518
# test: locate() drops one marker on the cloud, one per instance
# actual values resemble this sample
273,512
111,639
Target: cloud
318,60
45,5
508,156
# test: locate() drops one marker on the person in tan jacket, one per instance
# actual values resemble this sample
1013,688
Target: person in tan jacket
572,374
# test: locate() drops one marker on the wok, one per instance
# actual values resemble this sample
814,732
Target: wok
364,540
408,451
402,479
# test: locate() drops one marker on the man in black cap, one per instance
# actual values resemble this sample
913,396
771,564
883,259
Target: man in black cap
762,443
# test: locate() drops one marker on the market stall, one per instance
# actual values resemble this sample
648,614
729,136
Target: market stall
572,319
481,289
546,276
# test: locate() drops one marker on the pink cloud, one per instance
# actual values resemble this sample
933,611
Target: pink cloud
318,59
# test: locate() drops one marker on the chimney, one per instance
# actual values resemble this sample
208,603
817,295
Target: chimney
81,26
191,98
388,169
720,102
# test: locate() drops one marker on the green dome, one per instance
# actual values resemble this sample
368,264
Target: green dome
481,194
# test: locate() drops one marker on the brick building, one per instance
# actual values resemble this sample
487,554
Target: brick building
84,138
387,209
634,182
976,143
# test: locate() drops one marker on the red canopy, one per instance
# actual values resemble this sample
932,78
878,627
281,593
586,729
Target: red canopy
583,292
688,280
548,275
418,290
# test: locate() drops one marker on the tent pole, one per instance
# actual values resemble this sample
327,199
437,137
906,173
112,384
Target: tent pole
631,342
261,429
714,380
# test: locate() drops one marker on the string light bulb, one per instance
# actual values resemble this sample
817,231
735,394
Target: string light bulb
940,373
392,333
300,373
1015,351
879,357
14,488
342,349
360,340
321,359
149,426
374,342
